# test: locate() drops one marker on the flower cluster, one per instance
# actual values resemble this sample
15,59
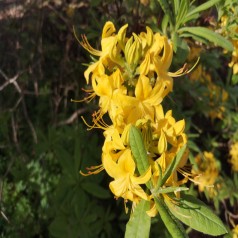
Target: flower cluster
234,156
131,79
208,168
229,28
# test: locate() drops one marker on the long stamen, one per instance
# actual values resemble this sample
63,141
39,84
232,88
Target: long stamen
85,44
88,47
98,121
183,70
89,98
93,170
188,176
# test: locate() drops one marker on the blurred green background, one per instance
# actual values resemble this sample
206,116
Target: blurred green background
43,140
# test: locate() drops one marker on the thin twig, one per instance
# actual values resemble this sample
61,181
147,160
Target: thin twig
8,81
14,133
1,192
73,117
19,90
29,121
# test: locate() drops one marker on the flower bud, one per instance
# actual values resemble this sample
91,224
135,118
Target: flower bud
133,51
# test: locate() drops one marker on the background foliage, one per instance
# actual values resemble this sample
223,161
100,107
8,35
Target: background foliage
43,142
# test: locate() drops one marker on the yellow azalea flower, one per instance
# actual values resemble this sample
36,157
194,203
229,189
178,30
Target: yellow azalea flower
231,31
208,171
113,136
153,210
234,61
143,54
218,96
108,42
144,102
167,130
161,45
131,79
126,184
234,156
107,88
164,161
235,232
147,39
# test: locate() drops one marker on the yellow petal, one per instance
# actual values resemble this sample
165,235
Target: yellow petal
117,141
126,162
89,70
179,127
117,79
125,134
170,132
157,94
108,29
168,114
114,54
136,189
107,45
159,112
119,186
153,211
157,45
145,65
143,88
121,36
162,162
167,54
143,178
162,145
149,36
114,170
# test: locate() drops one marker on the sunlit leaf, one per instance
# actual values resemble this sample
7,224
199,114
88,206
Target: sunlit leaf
202,7
182,11
197,215
209,35
172,224
167,10
139,224
138,150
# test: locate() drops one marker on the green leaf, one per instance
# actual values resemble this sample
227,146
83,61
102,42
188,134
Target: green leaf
139,224
209,35
189,18
139,152
176,40
195,37
95,190
164,24
138,149
170,190
197,215
234,79
202,7
182,11
172,224
166,8
173,165
176,6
